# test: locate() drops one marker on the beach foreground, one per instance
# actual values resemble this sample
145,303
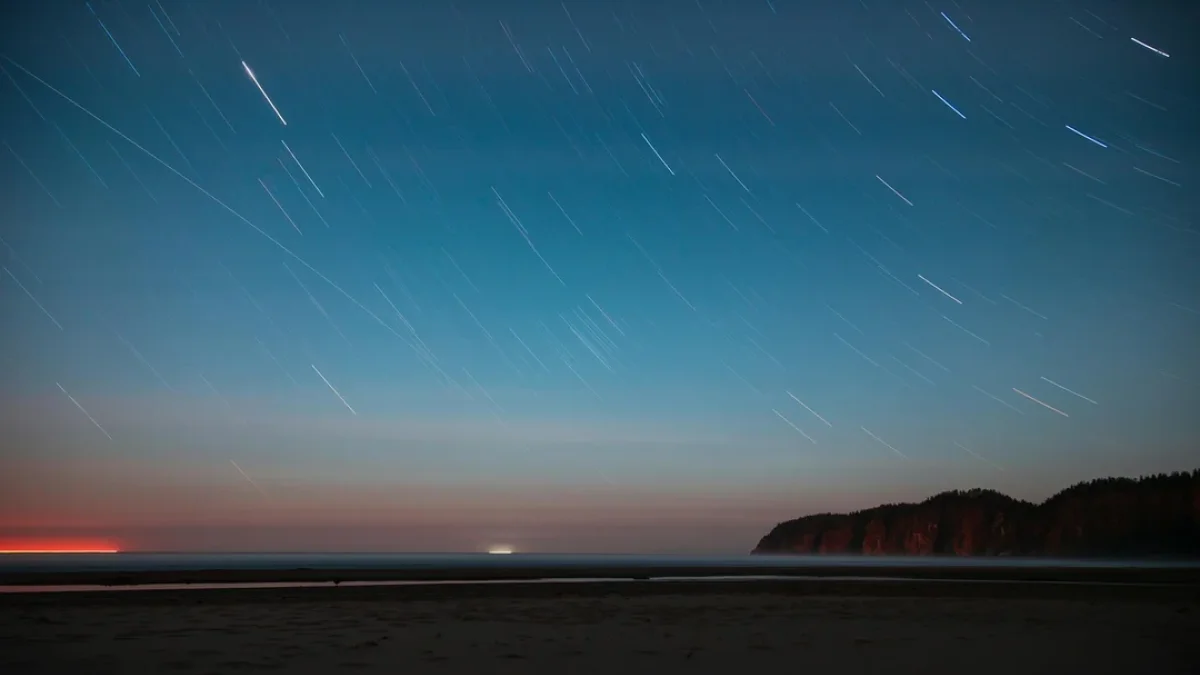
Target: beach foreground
834,626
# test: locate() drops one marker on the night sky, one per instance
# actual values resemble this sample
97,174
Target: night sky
593,276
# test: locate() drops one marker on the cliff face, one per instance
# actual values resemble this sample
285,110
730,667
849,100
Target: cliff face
1151,516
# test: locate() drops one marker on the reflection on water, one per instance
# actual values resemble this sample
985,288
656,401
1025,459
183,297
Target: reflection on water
286,584
581,580
145,562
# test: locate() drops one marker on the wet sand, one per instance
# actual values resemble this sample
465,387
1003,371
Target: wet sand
808,625
534,569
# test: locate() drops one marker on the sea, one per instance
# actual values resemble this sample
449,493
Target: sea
552,568
161,562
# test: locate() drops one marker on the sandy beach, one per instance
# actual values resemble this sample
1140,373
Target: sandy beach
816,626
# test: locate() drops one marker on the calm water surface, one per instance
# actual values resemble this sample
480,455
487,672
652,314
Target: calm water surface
143,562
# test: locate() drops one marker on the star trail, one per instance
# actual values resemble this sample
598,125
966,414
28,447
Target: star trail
451,272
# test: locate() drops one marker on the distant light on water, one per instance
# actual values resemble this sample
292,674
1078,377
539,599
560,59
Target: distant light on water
500,550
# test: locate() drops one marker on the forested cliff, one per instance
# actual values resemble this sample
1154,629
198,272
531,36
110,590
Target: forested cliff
1144,517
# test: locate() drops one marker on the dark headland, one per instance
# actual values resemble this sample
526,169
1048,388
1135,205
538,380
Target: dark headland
1150,517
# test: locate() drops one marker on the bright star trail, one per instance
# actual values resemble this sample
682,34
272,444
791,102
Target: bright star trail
262,91
588,272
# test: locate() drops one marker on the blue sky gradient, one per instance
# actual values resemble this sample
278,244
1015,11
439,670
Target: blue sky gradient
531,270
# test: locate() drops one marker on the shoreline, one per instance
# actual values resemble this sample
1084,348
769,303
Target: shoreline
622,590
1184,575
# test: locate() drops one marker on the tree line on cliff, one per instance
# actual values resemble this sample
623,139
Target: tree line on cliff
1151,516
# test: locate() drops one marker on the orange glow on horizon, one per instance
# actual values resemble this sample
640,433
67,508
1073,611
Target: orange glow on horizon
23,551
56,546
